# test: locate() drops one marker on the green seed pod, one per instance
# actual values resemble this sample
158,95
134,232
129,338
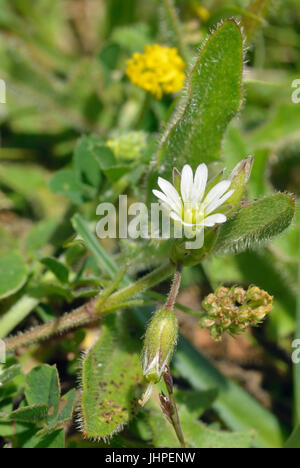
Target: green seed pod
159,344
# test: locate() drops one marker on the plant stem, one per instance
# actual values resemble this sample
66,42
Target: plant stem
175,287
172,408
91,311
173,25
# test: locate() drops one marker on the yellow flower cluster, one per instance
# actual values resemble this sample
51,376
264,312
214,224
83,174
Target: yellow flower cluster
158,70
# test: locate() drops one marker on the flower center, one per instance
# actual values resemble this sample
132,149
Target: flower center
193,214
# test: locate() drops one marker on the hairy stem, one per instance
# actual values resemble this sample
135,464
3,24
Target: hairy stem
175,287
91,311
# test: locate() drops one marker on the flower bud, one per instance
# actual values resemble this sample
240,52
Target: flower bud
233,310
159,344
239,178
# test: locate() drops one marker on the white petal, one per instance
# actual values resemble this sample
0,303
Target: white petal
217,191
175,217
167,201
199,183
218,202
170,192
214,219
186,185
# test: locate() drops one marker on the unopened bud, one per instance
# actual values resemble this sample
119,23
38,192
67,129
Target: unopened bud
159,344
239,178
232,310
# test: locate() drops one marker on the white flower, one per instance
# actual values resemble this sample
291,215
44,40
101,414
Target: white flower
192,208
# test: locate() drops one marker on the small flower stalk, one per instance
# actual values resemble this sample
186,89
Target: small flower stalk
169,408
233,310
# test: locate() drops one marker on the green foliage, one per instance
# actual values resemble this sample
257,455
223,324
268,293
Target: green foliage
40,417
256,223
76,132
58,269
237,408
197,435
213,97
111,379
13,274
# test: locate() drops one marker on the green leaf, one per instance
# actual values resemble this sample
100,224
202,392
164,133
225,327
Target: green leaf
58,269
64,416
108,163
33,413
212,99
111,375
13,274
42,386
65,182
104,156
43,290
195,402
94,246
41,234
85,163
235,407
196,434
256,223
53,440
9,374
200,436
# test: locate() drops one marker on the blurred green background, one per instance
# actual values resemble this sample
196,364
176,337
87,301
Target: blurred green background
64,61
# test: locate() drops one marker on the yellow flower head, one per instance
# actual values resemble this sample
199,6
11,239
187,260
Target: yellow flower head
158,70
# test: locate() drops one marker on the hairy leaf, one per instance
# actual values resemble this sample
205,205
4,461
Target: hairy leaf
256,223
111,373
212,99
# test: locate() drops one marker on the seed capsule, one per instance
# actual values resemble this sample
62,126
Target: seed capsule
159,344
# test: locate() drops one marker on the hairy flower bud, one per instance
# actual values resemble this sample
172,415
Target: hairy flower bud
239,178
233,310
159,344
